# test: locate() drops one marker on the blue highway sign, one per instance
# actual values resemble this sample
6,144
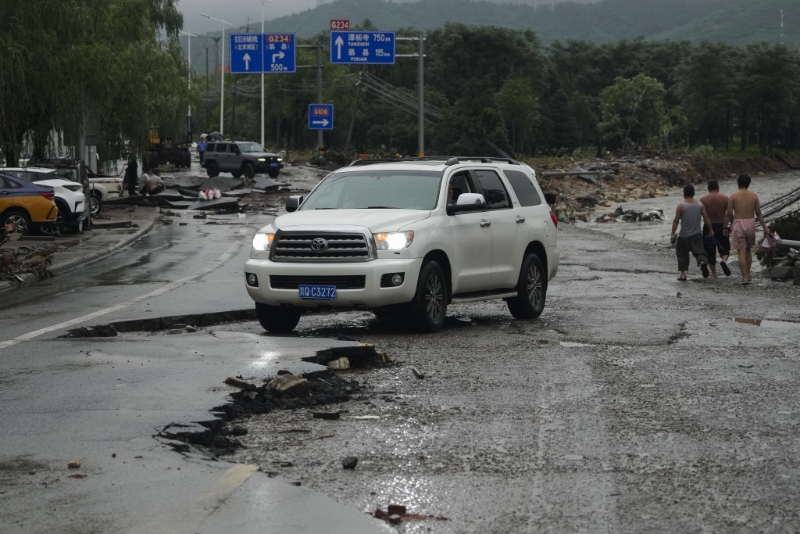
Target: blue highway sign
365,48
320,116
271,53
280,54
247,53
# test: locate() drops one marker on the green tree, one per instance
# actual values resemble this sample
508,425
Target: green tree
519,108
632,111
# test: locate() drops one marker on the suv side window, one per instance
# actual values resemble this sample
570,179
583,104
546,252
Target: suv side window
493,189
210,147
459,184
523,187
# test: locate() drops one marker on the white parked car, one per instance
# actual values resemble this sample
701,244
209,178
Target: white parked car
104,188
69,198
408,238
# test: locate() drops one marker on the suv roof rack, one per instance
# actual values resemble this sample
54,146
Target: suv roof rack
448,160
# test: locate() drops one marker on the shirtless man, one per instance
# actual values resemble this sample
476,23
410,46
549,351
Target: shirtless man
716,205
743,208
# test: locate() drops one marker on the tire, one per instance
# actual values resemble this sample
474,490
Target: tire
211,169
429,307
249,171
22,220
236,174
57,228
532,290
95,204
273,174
276,319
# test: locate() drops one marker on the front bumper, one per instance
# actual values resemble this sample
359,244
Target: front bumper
266,166
372,295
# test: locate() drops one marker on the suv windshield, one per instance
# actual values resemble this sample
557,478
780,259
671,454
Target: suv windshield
372,189
250,147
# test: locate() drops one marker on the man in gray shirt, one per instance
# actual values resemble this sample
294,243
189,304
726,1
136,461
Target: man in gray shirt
689,214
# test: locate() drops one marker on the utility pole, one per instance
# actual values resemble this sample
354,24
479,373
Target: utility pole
420,55
317,66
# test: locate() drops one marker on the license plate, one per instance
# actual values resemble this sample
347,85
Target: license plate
273,164
317,292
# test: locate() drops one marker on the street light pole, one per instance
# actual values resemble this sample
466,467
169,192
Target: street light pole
222,74
262,74
189,61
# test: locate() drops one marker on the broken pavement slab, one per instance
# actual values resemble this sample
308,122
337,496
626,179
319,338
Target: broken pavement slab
231,204
223,183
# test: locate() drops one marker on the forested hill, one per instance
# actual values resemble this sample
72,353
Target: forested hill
605,21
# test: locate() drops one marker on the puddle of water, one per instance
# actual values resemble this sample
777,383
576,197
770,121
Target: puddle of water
768,323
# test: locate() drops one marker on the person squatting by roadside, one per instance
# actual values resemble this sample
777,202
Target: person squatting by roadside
743,208
690,239
716,205
153,184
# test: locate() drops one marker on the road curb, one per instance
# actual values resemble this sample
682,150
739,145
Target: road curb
61,268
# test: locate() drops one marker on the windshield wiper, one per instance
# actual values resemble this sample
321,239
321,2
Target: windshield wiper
381,208
326,208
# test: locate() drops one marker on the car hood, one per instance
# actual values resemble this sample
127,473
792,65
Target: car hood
389,220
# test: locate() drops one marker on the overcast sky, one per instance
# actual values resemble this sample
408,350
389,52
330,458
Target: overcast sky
236,12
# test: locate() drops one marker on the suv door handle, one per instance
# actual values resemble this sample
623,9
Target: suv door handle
520,219
485,224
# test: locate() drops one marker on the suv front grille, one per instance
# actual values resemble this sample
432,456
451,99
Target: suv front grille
320,246
341,282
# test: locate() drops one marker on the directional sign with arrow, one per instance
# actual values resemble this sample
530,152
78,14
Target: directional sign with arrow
365,48
271,53
247,53
320,116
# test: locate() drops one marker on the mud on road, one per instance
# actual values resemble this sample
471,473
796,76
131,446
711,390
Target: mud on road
635,403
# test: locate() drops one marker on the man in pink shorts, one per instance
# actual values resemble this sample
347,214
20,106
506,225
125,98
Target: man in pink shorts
743,208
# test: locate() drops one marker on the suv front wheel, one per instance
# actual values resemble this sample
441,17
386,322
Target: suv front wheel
429,307
249,171
531,290
277,319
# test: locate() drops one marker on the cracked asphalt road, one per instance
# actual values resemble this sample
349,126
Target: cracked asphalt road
635,403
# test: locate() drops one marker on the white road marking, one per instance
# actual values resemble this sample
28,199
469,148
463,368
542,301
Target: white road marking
169,287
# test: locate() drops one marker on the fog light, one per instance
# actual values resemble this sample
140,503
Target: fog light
252,280
397,279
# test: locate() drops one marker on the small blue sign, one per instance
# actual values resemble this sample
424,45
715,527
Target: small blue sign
247,53
364,48
256,53
320,116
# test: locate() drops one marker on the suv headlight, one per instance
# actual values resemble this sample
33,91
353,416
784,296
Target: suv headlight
393,240
262,241
262,160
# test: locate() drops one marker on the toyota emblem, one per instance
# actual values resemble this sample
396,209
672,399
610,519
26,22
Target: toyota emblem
319,245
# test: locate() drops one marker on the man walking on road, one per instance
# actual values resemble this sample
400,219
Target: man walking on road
743,208
689,214
716,205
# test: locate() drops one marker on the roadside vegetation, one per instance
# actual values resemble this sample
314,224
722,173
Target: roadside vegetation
119,62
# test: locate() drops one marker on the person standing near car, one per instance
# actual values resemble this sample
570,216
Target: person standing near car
132,175
689,214
201,148
716,205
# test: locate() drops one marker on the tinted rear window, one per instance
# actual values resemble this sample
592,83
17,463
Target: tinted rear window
493,190
523,187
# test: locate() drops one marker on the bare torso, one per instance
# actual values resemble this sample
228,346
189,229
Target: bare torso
744,204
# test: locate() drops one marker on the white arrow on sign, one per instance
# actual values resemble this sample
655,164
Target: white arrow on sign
246,59
279,55
339,43
323,122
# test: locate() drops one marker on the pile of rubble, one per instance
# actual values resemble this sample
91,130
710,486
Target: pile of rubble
581,188
781,263
24,260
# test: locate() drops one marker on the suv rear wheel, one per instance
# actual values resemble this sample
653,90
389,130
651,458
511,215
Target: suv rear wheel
249,171
277,319
211,169
531,290
429,307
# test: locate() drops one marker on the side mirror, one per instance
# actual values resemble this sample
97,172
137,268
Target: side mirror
550,198
293,202
467,202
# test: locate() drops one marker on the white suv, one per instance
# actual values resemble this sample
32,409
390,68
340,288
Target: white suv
407,238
